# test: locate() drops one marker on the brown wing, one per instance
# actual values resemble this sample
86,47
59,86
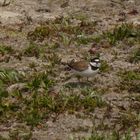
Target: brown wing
79,65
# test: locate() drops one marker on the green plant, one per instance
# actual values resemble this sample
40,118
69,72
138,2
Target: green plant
104,66
20,133
112,136
80,16
3,93
130,80
32,50
84,39
91,93
65,39
54,59
6,49
128,120
96,137
121,32
135,56
32,65
39,33
9,76
32,117
27,108
40,80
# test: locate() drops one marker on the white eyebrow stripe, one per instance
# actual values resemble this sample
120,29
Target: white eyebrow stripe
96,60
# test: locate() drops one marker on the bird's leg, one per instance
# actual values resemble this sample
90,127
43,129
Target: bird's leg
79,78
88,80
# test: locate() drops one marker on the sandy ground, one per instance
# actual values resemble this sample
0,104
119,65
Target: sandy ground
19,17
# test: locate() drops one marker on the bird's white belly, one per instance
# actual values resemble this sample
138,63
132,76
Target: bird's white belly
87,73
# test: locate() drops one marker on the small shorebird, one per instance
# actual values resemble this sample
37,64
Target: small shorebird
84,68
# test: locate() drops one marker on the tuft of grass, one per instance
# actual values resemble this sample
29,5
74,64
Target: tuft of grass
41,102
84,39
80,16
104,66
65,39
94,94
121,32
135,56
3,93
41,106
9,76
42,51
130,80
66,31
20,133
32,50
112,136
95,136
6,49
128,119
54,59
27,108
40,80
32,65
39,33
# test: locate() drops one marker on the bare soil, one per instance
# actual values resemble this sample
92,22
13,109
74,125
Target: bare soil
20,17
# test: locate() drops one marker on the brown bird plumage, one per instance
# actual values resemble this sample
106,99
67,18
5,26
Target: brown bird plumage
78,65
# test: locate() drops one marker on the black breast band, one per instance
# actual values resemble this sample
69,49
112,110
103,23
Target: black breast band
93,67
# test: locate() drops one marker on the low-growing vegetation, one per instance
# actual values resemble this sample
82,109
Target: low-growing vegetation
6,49
105,66
38,90
113,136
119,33
135,56
41,102
130,80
